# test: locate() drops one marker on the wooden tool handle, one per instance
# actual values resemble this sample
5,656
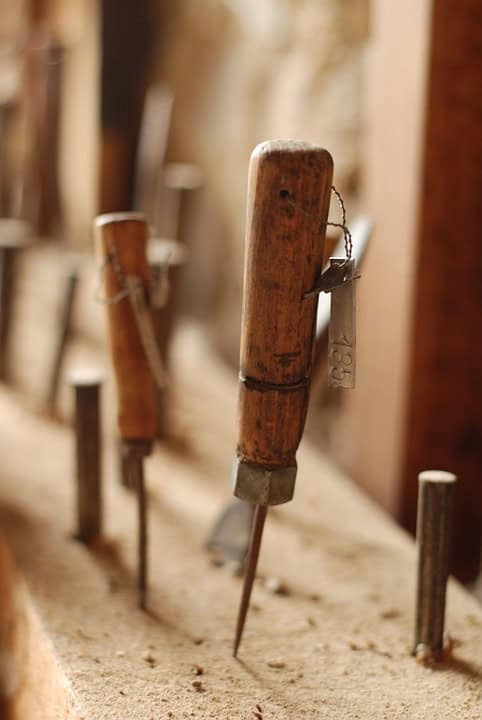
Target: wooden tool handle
288,200
121,240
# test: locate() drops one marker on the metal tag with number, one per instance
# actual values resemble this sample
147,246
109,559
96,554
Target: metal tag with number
342,333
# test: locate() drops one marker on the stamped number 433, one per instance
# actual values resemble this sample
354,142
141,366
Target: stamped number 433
341,334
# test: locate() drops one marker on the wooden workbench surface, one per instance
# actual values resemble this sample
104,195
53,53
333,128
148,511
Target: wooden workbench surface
337,646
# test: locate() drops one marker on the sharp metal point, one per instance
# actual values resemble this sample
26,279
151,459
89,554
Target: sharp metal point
251,564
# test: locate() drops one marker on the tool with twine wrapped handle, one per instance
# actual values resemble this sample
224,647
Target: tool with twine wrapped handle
121,243
288,200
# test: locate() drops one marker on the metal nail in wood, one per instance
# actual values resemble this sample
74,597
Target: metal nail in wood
87,384
434,519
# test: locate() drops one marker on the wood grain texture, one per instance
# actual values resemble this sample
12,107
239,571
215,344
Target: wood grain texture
126,235
288,200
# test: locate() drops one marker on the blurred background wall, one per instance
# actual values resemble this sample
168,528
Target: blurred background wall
245,72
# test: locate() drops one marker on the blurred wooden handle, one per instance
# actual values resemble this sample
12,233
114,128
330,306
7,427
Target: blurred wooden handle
121,240
288,200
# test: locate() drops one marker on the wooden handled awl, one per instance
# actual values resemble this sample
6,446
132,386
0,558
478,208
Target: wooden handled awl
288,199
121,241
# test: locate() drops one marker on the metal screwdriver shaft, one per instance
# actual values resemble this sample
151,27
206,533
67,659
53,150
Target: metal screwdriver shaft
434,521
288,200
250,573
122,239
87,384
134,454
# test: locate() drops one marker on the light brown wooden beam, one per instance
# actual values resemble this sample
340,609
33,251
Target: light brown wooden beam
444,421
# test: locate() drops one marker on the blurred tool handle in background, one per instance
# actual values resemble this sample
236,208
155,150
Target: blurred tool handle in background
122,241
288,199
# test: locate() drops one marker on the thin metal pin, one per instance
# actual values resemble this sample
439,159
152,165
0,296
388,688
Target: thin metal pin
134,464
435,495
86,384
142,546
251,564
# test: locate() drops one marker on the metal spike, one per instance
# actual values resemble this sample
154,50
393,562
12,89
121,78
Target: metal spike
435,500
251,564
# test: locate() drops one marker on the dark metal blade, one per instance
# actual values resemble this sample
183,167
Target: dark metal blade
251,564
